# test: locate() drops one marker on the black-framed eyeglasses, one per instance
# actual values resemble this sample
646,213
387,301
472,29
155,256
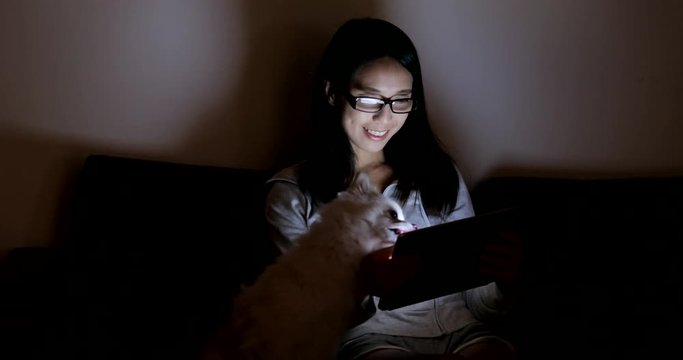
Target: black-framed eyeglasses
372,105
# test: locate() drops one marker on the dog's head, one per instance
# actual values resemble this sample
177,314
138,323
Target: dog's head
375,219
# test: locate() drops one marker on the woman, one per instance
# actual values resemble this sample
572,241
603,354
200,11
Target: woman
369,114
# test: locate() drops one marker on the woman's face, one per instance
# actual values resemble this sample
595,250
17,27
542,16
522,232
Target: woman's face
384,78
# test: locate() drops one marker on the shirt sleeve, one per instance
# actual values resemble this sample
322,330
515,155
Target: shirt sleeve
463,205
286,214
485,302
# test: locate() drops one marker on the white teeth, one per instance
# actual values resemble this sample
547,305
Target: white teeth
376,132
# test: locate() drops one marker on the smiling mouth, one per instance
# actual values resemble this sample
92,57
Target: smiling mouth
376,133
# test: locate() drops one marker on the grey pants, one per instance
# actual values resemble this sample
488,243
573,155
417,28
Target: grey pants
444,344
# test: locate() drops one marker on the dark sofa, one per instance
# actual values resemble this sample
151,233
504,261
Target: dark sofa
159,249
603,277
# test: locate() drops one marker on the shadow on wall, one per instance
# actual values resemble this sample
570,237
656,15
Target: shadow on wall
39,175
266,119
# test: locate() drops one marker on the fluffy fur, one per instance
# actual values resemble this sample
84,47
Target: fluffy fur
302,304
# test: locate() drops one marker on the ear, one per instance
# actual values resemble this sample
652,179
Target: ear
362,184
329,94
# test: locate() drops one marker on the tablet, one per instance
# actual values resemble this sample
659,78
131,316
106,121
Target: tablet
450,256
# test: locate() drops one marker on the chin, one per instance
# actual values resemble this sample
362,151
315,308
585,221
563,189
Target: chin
375,147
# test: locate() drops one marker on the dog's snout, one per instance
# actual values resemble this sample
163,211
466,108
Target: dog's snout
403,227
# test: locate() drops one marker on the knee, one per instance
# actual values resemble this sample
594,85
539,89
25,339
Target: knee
489,348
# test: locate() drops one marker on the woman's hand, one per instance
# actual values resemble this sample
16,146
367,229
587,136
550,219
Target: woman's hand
502,260
380,273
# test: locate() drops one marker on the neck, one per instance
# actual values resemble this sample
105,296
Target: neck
368,159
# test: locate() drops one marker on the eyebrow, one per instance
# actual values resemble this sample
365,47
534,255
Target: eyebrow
370,89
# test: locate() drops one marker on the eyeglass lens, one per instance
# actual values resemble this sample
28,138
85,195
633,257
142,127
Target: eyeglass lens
375,105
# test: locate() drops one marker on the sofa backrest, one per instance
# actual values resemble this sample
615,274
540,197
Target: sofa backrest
160,249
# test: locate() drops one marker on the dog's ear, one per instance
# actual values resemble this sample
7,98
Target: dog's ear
362,184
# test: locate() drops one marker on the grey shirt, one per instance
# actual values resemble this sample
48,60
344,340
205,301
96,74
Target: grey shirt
290,212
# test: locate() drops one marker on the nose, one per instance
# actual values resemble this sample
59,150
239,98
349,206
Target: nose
383,115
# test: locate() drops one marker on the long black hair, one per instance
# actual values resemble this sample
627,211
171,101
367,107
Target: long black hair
415,154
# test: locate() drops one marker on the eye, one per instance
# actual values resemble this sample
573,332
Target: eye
369,101
392,214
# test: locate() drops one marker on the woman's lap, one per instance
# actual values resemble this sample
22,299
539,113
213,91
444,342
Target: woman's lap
456,341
